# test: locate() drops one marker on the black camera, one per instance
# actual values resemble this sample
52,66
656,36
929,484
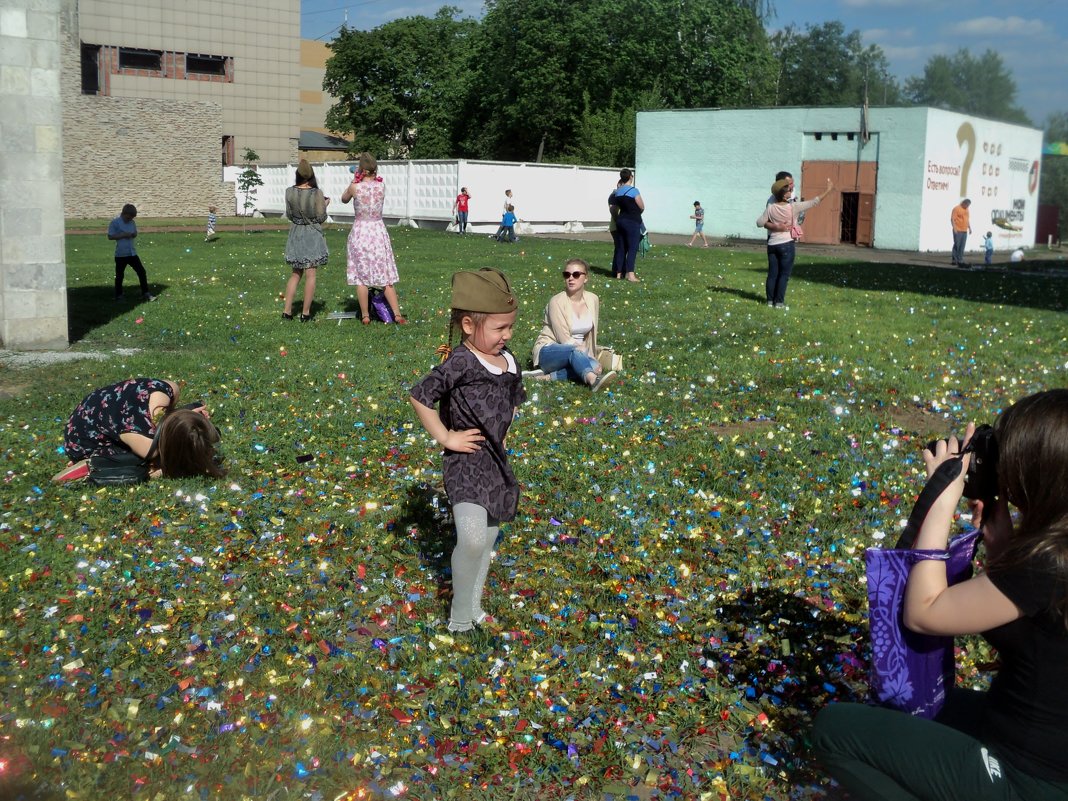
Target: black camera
981,482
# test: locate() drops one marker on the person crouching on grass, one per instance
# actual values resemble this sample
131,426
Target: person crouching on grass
125,417
467,404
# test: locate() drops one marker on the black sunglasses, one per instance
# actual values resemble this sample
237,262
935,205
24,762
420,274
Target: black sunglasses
566,274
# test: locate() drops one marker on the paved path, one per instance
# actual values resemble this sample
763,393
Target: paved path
847,252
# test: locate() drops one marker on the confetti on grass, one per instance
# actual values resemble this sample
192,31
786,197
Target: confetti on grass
681,589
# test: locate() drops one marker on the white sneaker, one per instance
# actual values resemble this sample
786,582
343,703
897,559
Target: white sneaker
534,374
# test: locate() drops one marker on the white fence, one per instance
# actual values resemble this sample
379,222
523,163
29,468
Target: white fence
547,197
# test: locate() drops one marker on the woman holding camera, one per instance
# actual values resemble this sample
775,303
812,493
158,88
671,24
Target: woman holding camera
1010,742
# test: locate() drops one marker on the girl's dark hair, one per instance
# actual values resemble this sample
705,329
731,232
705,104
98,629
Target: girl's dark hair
1032,437
781,194
625,175
187,446
299,179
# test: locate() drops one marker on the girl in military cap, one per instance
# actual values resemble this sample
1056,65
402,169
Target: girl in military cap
467,404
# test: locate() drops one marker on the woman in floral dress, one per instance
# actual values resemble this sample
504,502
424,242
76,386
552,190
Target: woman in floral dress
371,261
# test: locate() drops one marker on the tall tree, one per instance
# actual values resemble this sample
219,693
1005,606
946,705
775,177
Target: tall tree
540,59
608,137
969,85
825,66
396,86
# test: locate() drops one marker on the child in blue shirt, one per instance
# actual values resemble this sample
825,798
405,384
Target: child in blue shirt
506,233
988,246
123,231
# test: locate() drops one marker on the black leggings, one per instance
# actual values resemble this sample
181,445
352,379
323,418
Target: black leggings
879,754
120,273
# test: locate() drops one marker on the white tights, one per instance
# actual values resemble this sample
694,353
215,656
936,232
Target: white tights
475,535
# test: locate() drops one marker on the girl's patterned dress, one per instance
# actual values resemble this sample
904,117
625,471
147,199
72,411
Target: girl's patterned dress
107,413
371,261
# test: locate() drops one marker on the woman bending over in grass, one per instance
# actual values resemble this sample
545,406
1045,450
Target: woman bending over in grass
126,417
1010,742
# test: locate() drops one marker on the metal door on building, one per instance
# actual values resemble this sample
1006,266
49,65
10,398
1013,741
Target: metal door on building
847,215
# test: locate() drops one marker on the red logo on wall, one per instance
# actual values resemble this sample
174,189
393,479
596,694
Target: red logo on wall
1032,183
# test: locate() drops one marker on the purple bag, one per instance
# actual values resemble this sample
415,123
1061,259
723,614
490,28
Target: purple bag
911,671
380,309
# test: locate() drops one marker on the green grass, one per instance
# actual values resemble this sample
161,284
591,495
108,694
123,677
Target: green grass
680,590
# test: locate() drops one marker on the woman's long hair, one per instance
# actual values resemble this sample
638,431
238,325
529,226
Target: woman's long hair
187,446
1032,437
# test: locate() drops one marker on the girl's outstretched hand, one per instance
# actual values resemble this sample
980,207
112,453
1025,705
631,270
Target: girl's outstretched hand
464,441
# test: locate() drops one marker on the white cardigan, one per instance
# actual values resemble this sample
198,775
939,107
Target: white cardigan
556,328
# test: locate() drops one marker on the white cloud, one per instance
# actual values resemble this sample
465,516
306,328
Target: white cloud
998,26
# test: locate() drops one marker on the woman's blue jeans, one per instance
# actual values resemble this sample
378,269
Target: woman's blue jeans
780,265
566,361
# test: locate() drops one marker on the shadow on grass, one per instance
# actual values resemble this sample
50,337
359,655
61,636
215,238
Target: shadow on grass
425,519
90,307
740,293
988,286
790,658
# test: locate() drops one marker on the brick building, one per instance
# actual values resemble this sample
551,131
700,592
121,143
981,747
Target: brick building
159,96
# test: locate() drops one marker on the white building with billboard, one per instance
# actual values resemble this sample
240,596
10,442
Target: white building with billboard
899,172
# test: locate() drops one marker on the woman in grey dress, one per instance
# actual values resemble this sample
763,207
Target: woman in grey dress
306,246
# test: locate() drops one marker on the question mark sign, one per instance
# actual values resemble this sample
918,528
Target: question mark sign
966,135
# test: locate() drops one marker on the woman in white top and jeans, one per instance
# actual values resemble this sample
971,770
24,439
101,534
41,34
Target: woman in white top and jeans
566,347
779,217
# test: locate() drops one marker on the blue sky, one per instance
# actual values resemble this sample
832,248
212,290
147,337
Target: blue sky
1031,36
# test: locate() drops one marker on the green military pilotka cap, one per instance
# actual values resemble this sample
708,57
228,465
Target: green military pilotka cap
486,290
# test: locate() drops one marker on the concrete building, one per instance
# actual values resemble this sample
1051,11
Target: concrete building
33,269
899,173
159,96
317,143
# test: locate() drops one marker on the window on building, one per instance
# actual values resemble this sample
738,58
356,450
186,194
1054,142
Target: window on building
131,59
90,69
205,65
228,151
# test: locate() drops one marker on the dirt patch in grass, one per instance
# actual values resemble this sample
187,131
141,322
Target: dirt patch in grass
914,420
12,389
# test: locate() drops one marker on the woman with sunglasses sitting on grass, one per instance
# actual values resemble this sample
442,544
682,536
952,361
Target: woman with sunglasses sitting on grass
566,347
128,417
